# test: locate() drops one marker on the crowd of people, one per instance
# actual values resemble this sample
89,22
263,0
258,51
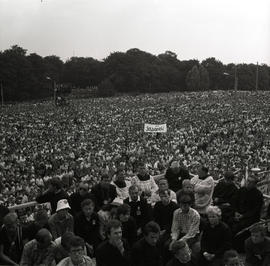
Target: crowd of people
120,196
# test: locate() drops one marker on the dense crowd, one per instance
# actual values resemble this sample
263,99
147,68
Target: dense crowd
92,161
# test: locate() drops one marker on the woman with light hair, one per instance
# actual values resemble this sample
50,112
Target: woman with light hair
216,238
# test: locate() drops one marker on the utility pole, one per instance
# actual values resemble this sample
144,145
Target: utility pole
54,92
2,95
257,77
235,79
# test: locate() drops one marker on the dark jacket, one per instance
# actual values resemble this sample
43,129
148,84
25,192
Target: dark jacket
140,210
88,230
175,179
142,254
108,255
75,201
52,198
103,195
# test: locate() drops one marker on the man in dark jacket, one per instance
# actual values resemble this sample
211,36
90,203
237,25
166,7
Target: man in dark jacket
53,194
140,210
113,251
145,252
175,176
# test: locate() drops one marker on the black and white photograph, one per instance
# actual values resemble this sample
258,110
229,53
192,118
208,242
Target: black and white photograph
135,132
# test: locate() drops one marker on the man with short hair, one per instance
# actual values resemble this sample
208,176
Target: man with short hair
182,254
87,224
140,210
257,247
113,251
77,255
61,221
186,222
39,251
11,240
162,186
145,252
53,194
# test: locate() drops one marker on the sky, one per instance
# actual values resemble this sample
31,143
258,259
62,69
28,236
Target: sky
232,31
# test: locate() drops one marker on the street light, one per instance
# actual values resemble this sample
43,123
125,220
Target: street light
235,77
54,88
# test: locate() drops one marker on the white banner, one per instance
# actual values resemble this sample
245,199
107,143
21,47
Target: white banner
151,128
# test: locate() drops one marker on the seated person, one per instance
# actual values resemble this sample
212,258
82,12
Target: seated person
216,238
145,251
231,258
61,221
40,221
11,240
114,250
61,249
140,210
163,213
223,194
39,251
247,205
162,186
129,228
145,182
76,254
187,188
257,247
87,225
186,222
182,254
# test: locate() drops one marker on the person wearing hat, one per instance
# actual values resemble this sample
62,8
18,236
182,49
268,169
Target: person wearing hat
257,247
53,194
61,221
182,254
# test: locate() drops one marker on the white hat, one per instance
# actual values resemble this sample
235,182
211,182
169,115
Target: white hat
62,204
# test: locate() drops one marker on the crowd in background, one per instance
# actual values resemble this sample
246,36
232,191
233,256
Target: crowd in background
99,141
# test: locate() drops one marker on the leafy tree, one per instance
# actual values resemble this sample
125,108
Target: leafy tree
193,79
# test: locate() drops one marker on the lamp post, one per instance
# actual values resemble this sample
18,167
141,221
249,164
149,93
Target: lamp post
235,78
2,95
54,89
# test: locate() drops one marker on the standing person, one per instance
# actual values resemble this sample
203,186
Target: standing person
121,185
113,251
76,198
11,240
87,224
175,176
140,210
39,251
104,192
77,255
53,194
203,188
61,221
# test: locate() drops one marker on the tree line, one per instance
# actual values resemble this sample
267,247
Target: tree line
31,76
